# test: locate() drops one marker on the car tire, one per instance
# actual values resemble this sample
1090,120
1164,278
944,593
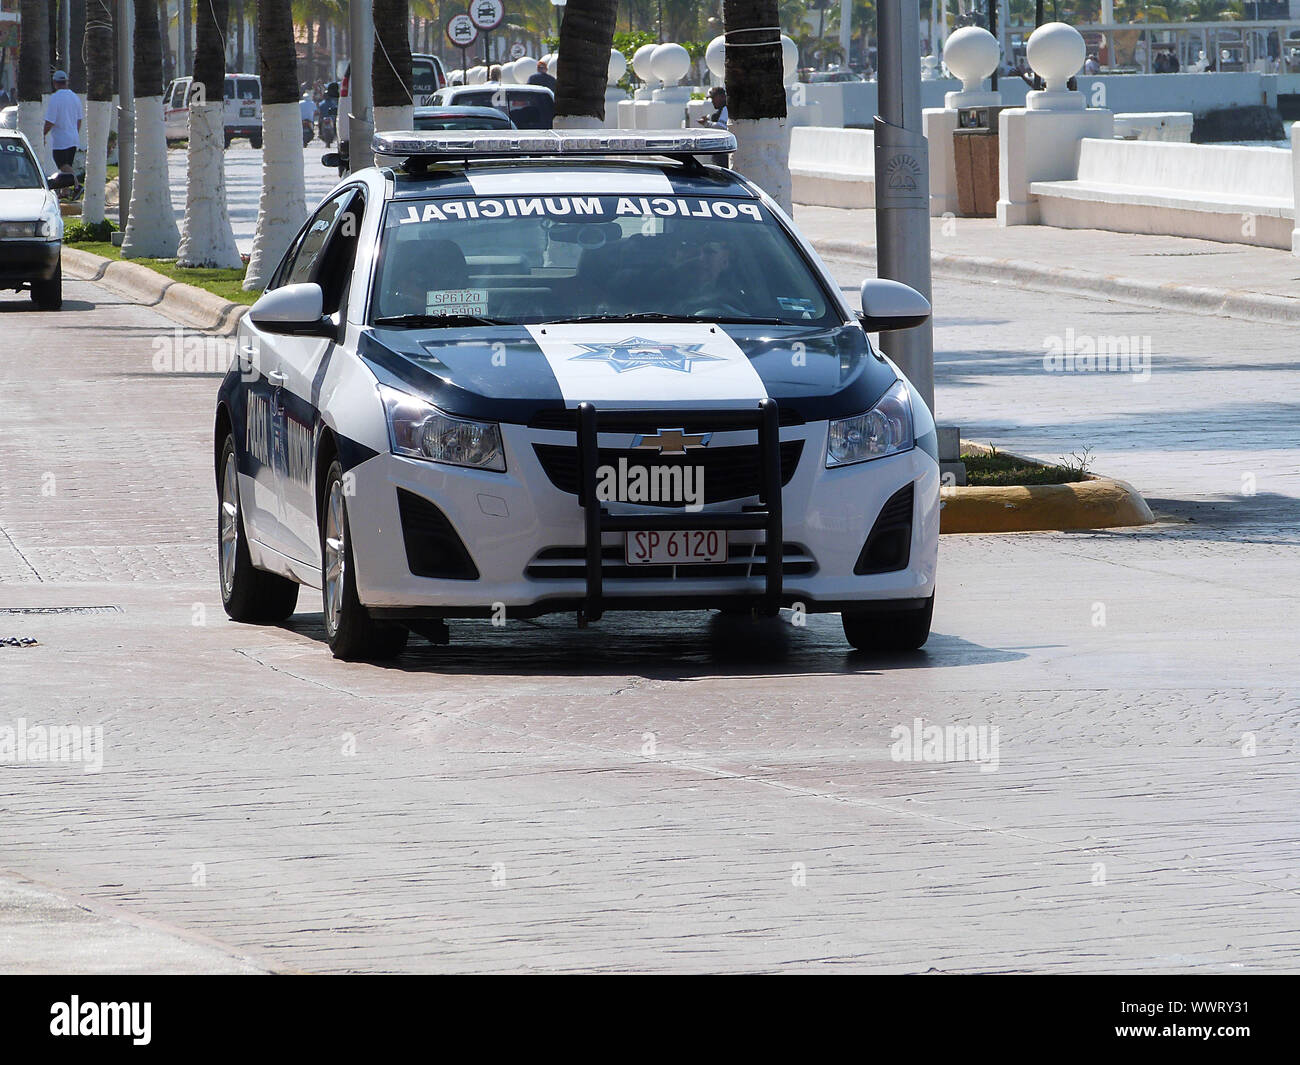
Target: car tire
255,141
901,630
228,139
352,633
248,594
48,295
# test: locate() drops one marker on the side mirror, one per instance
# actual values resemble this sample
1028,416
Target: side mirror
890,305
292,309
331,160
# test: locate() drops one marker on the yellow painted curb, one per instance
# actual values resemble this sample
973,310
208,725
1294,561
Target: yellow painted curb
1099,503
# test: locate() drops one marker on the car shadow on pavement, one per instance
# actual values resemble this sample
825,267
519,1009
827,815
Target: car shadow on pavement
675,646
18,305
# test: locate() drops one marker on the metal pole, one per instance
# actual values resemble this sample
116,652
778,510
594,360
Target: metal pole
361,120
183,53
846,30
126,109
903,184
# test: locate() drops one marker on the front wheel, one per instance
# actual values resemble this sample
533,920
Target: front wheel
351,631
48,295
248,594
901,630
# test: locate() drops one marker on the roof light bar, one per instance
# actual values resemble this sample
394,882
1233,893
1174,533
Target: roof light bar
461,144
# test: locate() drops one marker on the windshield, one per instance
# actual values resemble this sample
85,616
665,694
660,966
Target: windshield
17,167
534,259
494,121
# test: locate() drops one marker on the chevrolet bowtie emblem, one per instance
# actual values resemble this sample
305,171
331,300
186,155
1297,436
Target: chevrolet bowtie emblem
672,441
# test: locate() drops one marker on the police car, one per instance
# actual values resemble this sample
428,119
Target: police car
517,373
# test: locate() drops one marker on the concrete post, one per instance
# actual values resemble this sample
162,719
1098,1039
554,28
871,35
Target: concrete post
125,112
361,95
902,184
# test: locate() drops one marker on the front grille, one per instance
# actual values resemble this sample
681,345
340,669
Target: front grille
568,419
889,547
433,549
729,472
743,561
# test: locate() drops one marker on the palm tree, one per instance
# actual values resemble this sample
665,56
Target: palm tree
208,239
33,76
98,51
283,203
756,96
151,224
586,37
390,76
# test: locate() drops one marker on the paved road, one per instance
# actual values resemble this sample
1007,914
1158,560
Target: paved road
244,184
673,793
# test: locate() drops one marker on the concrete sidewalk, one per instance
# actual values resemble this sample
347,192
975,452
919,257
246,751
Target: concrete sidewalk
1175,273
42,932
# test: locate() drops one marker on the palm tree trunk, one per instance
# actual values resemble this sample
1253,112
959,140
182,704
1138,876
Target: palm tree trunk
164,41
99,54
391,66
283,203
586,37
239,36
151,226
33,77
208,239
756,96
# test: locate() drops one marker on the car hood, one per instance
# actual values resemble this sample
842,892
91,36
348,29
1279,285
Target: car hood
22,205
515,373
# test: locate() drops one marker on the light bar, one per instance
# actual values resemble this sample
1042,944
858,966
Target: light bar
474,144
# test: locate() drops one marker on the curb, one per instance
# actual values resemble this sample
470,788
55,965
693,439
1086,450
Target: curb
183,303
1238,303
1100,503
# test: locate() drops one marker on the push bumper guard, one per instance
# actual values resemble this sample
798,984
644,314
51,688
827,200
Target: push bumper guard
763,419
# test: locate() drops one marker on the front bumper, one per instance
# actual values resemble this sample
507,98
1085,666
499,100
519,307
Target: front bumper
29,260
527,538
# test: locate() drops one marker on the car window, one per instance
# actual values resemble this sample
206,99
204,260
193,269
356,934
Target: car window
307,253
334,269
424,77
551,258
493,121
228,89
18,169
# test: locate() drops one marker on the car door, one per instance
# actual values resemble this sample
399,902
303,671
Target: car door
324,257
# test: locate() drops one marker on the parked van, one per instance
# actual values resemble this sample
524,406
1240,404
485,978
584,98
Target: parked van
242,95
427,76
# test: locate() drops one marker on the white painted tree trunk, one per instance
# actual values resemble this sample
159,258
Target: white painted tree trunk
207,239
31,123
763,155
99,113
578,122
283,204
388,118
151,228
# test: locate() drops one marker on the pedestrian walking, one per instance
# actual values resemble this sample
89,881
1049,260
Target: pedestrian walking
63,122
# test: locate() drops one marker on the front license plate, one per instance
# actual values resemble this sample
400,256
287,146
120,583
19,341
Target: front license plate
680,547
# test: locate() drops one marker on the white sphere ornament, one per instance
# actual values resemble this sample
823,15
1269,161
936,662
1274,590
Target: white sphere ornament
1056,53
524,68
972,54
789,60
670,62
617,67
715,56
641,62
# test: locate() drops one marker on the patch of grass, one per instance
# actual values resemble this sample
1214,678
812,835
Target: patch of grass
75,231
111,172
228,284
994,468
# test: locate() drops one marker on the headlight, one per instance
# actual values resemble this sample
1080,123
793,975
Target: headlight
420,430
22,230
886,429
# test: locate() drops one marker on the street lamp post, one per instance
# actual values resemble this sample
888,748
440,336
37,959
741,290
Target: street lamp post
559,15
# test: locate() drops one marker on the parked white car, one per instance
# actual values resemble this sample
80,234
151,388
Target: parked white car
31,227
242,95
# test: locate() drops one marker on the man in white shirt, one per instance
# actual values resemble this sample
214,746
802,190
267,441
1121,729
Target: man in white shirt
63,122
719,118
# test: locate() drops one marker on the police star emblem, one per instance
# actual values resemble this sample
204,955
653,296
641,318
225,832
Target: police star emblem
636,352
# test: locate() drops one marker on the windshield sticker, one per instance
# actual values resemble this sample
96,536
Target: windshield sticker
457,301
577,207
796,303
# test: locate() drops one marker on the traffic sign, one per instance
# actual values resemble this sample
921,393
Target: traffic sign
461,31
487,14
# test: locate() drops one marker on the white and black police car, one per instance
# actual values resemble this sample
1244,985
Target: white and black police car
518,373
